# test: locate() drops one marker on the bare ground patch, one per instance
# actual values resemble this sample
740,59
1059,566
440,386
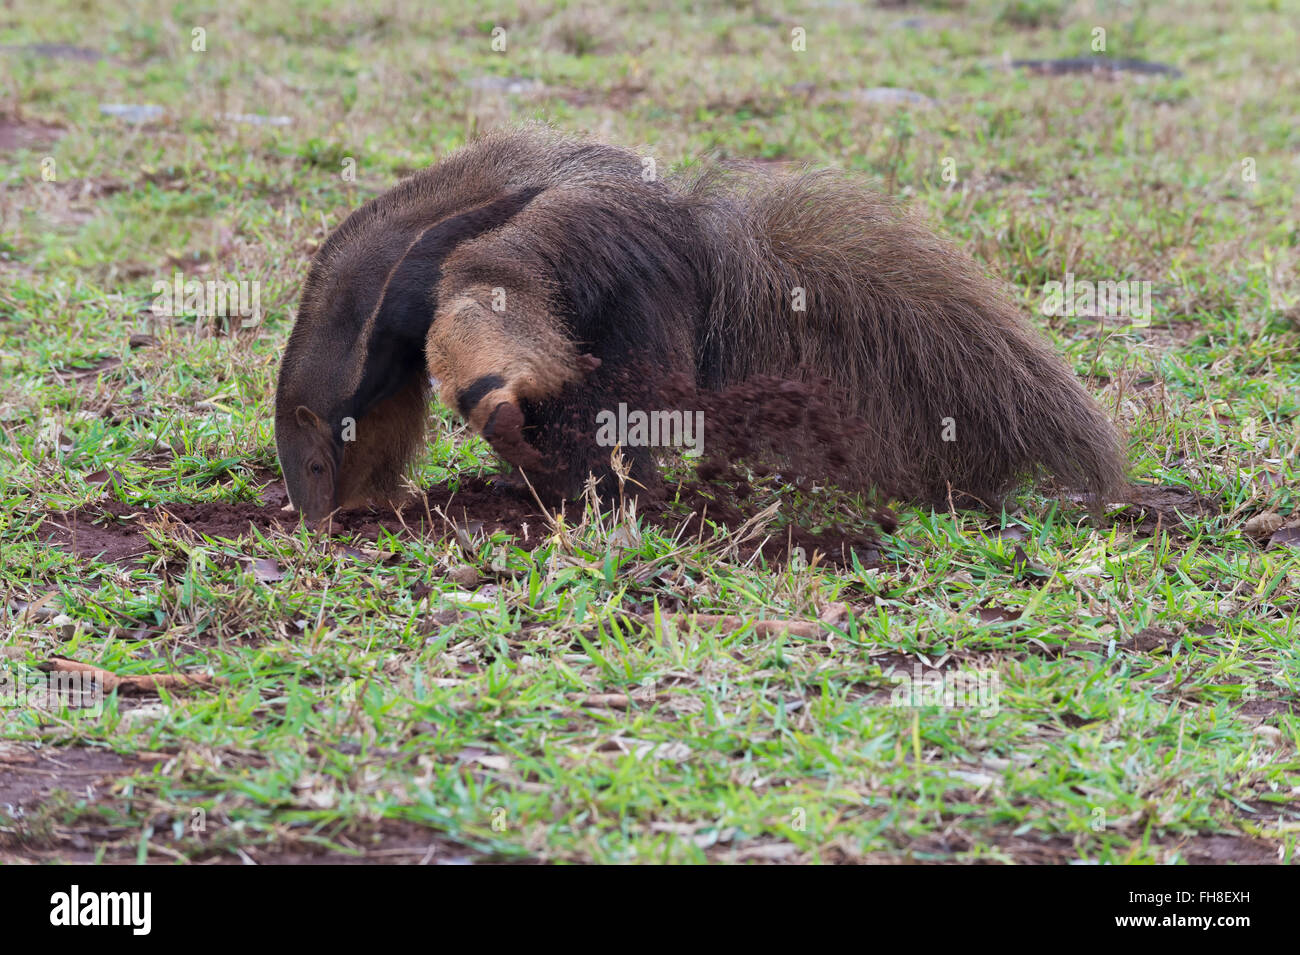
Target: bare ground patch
17,133
1227,849
388,842
117,532
29,775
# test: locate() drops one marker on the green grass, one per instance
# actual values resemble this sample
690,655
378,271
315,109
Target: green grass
1146,673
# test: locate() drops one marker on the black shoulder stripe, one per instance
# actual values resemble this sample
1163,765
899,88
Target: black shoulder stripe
476,392
395,350
407,307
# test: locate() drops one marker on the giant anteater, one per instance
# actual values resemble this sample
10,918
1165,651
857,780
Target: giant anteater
535,280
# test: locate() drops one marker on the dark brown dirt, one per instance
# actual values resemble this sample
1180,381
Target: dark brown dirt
17,134
1150,640
774,431
1228,849
1059,850
28,775
115,531
388,842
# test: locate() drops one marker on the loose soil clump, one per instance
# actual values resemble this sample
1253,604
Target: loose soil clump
762,435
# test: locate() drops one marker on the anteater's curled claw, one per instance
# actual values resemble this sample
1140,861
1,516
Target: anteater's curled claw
505,432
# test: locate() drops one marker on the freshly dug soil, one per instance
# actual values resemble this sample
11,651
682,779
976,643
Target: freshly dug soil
116,532
793,432
802,433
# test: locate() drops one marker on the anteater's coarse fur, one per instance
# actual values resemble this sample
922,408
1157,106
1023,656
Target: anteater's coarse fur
539,280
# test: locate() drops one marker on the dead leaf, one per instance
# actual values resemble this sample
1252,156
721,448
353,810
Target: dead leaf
1263,525
1268,479
1288,536
992,613
104,477
128,685
464,575
467,534
1023,567
266,571
36,610
835,615
1169,503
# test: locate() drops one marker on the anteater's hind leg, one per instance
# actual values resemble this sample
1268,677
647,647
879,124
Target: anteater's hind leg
496,353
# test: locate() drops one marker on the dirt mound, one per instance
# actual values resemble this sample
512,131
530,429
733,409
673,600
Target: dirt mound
801,435
781,434
119,533
805,429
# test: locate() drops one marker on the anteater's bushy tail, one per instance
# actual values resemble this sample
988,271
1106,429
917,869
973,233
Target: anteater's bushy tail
958,391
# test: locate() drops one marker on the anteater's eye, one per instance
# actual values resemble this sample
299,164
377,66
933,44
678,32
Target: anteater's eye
317,469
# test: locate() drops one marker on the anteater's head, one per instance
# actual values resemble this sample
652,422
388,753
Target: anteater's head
352,396
350,402
311,459
314,395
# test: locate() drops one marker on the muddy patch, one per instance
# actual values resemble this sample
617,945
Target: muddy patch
29,776
24,134
120,533
54,51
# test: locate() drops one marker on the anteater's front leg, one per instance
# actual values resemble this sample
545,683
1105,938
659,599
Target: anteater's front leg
497,352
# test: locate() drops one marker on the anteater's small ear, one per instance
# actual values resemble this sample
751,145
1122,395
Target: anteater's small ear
307,418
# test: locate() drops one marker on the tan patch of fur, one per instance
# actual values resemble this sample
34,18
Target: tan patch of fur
521,344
